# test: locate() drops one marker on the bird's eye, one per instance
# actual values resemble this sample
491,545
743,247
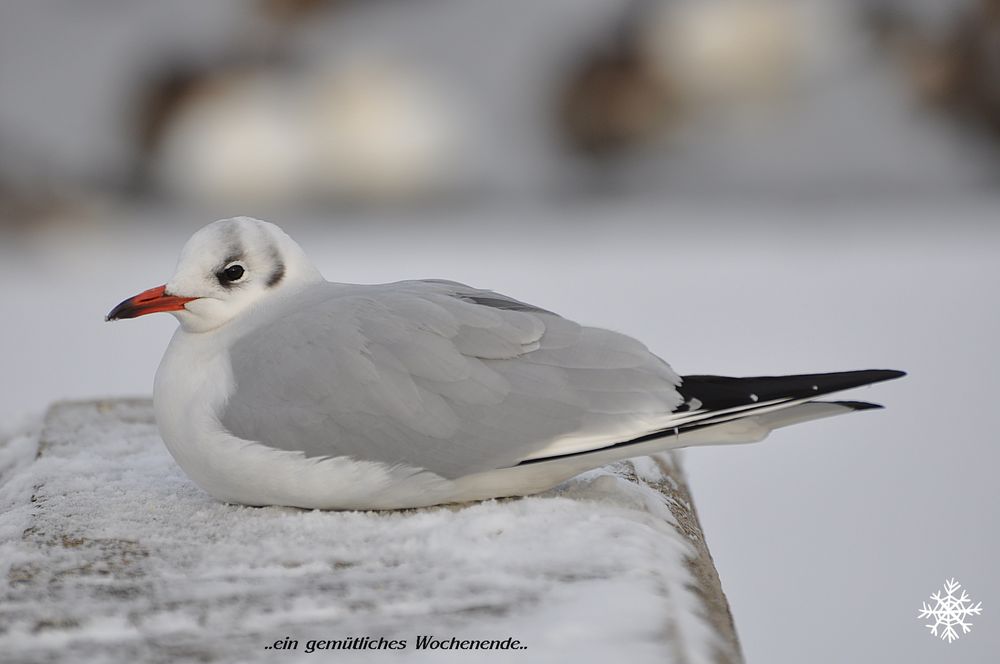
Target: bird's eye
232,273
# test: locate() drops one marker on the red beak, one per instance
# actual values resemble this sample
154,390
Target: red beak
148,302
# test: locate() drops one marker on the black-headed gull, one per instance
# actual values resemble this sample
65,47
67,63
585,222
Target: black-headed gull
281,388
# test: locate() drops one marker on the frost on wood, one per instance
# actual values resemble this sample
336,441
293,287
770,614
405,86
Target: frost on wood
112,554
950,610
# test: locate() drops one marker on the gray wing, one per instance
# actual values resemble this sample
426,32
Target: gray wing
440,376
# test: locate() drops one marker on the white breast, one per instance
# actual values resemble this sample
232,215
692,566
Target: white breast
192,384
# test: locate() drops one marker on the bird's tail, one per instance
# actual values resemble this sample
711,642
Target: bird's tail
772,401
719,410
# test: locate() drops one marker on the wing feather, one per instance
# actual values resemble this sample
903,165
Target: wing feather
440,376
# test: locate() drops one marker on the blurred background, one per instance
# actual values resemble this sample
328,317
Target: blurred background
749,186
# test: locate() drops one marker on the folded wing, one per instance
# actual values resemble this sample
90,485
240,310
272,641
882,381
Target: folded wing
440,376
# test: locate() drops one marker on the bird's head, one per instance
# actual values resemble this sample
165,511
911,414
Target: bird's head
226,268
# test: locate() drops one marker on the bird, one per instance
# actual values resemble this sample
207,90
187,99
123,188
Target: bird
282,388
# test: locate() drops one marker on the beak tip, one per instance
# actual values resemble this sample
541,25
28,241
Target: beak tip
147,302
116,313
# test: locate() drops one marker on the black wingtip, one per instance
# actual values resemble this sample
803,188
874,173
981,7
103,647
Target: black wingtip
715,393
857,405
886,374
862,377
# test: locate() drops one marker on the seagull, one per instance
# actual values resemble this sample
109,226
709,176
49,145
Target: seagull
282,388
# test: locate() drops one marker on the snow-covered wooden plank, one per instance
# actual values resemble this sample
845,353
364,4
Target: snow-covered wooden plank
119,557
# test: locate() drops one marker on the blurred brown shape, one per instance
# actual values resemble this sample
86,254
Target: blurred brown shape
164,94
289,11
614,99
957,71
613,102
262,129
729,55
667,66
32,192
167,92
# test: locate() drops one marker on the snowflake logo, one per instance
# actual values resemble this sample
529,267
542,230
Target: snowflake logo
949,611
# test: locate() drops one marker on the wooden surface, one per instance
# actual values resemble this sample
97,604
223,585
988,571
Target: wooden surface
124,559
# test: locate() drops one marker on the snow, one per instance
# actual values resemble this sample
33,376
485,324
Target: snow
125,554
18,448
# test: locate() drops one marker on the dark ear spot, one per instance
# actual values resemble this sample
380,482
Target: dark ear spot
277,275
